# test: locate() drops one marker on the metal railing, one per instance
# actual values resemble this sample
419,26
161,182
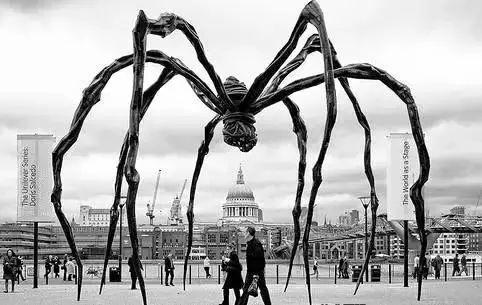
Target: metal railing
275,273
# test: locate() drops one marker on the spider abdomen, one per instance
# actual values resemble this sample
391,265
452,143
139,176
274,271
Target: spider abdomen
239,130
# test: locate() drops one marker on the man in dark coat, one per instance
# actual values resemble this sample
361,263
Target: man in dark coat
463,261
169,267
255,263
132,270
48,266
456,268
437,263
340,267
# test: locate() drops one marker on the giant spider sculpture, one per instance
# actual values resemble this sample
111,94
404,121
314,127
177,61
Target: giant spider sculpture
236,106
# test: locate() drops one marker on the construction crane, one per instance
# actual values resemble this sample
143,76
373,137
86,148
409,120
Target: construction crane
150,208
182,190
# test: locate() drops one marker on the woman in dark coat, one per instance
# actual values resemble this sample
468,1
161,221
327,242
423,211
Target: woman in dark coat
9,269
56,266
234,280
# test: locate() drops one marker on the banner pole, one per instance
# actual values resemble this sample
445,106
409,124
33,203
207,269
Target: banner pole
35,254
405,253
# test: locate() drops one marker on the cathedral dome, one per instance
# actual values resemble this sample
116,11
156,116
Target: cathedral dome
240,190
240,205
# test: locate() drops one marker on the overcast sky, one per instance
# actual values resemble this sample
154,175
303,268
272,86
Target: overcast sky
52,49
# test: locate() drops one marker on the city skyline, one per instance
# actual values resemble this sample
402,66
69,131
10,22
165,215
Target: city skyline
65,44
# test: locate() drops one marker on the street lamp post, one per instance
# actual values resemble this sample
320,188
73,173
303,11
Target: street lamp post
365,201
121,205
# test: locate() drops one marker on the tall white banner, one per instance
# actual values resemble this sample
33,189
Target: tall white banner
402,171
34,178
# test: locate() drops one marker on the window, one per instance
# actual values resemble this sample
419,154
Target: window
211,238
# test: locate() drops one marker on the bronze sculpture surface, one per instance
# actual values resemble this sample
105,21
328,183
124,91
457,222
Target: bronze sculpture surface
236,105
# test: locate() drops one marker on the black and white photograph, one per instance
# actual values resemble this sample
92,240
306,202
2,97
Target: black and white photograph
241,152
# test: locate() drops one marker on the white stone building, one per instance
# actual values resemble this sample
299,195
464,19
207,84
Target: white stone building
97,217
240,205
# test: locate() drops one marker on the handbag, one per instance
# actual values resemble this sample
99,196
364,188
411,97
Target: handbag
253,288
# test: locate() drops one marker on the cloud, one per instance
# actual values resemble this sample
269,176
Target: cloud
55,48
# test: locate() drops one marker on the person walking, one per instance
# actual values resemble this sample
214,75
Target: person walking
48,266
56,263
463,262
9,269
437,263
416,266
315,268
340,267
70,267
223,262
345,268
234,280
456,268
19,269
132,271
255,263
66,259
169,267
426,266
207,266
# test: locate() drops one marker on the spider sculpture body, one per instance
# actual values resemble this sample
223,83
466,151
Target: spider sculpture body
236,105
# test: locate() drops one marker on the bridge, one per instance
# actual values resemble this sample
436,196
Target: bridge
354,236
450,223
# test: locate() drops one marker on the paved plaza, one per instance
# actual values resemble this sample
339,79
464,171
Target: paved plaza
434,293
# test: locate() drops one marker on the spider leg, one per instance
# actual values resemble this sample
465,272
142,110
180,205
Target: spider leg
149,94
312,44
362,120
91,96
202,152
168,23
131,174
299,129
67,230
311,13
367,71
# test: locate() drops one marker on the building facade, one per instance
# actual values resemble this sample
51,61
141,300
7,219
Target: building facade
96,217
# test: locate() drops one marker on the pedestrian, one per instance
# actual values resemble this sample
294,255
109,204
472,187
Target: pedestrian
426,266
345,268
340,267
48,266
9,269
66,259
437,263
234,280
130,262
207,266
19,269
315,267
416,266
223,264
70,267
455,263
56,263
463,262
169,267
255,263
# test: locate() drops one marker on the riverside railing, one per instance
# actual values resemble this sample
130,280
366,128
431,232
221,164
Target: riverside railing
275,272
